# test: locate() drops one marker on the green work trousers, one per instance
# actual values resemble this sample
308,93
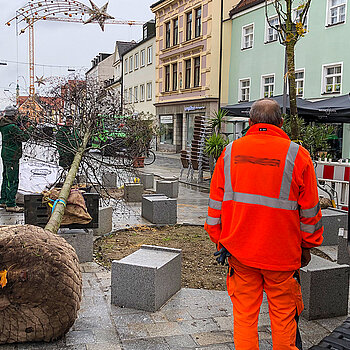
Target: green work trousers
10,180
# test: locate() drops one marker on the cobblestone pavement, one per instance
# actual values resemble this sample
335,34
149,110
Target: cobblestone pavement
192,319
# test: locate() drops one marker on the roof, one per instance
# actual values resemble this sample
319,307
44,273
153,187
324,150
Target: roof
157,3
124,46
139,43
244,5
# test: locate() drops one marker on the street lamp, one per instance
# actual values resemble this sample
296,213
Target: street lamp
3,64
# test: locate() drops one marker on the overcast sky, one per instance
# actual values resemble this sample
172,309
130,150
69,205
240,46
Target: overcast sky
62,44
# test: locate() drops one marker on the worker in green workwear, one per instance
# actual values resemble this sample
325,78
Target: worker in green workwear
11,153
67,142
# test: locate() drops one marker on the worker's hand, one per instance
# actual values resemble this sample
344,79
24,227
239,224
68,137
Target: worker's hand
305,256
222,255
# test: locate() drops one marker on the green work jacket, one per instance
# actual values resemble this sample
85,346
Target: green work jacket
12,138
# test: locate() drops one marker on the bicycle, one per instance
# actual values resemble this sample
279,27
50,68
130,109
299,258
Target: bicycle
150,157
129,158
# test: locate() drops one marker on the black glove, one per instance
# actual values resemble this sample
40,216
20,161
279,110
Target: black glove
222,255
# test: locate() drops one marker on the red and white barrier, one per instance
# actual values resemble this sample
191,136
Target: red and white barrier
336,175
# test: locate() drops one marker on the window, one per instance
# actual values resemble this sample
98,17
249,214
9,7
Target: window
130,95
142,58
126,66
247,36
126,95
299,83
268,86
332,79
166,123
187,74
167,34
198,23
136,94
167,78
149,91
336,11
197,71
136,61
149,54
142,92
271,33
189,26
174,65
175,31
244,90
131,63
296,18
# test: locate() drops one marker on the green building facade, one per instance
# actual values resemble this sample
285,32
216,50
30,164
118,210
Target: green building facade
322,57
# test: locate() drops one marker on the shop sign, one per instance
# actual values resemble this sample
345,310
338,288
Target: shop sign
193,108
166,119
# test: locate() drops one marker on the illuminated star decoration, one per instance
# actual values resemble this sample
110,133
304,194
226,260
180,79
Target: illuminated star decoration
98,14
40,81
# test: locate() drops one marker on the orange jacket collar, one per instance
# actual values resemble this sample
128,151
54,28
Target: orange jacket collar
268,129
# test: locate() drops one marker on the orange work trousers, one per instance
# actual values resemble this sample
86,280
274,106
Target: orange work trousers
245,286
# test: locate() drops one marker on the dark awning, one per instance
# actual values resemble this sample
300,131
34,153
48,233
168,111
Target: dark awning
333,110
242,109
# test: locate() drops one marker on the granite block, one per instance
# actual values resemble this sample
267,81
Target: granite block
147,278
104,221
159,209
133,192
147,180
343,256
325,287
168,188
81,240
109,180
333,220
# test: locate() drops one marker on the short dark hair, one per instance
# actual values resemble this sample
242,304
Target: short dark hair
266,110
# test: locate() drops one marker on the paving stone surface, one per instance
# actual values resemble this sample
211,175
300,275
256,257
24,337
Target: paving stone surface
193,319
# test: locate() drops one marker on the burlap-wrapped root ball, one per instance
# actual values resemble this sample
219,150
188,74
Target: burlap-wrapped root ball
43,292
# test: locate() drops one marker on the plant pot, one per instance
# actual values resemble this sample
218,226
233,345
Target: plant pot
139,162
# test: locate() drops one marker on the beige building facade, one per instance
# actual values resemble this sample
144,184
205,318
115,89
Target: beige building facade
139,72
188,42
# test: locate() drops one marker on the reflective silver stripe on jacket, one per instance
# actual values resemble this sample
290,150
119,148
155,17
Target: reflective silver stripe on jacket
279,203
311,228
288,170
261,200
213,204
310,213
227,168
212,221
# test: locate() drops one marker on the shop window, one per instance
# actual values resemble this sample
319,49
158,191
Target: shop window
167,129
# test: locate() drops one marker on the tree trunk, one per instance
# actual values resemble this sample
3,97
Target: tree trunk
56,217
292,91
290,47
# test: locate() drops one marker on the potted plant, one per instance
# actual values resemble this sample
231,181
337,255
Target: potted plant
215,144
139,134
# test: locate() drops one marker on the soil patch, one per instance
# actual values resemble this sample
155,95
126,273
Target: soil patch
199,267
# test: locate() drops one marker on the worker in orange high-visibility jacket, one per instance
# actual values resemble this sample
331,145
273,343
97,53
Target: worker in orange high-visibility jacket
264,215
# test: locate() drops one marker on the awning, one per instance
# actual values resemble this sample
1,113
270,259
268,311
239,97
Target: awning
329,110
242,109
333,109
